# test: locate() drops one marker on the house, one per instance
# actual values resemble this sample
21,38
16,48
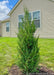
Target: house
6,28
41,11
0,29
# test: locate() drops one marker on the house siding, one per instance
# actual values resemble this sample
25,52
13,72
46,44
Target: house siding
0,29
4,33
46,7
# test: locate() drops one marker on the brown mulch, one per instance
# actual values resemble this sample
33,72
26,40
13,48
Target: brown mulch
42,71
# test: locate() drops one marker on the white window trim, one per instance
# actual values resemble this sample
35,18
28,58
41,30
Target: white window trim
37,19
32,17
9,27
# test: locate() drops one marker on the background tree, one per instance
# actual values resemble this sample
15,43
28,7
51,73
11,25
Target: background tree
28,51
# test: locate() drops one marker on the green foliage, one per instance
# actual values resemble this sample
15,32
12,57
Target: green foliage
28,51
8,53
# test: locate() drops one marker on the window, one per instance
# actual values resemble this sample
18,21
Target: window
7,26
20,20
29,16
36,18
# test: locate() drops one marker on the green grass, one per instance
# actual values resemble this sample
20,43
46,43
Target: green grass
8,53
47,52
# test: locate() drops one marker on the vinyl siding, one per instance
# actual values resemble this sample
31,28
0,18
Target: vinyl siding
4,33
0,29
46,7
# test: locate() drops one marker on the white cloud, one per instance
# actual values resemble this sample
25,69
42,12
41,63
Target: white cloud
4,10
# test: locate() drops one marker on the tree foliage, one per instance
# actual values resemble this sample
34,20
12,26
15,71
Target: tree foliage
28,51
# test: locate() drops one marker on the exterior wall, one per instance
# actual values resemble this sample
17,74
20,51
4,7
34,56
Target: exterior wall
47,17
4,33
0,29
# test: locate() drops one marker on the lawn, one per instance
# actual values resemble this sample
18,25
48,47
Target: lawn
8,53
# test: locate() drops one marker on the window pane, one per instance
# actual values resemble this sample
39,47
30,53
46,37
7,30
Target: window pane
7,29
36,18
36,15
20,18
20,24
29,16
7,26
37,23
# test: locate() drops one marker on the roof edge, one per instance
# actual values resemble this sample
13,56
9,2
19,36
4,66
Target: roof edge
6,20
14,7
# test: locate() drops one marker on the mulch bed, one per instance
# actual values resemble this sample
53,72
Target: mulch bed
42,71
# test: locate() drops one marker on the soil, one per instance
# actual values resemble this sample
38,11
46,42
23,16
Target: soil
42,71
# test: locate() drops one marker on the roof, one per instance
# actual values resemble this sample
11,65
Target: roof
6,20
14,7
17,5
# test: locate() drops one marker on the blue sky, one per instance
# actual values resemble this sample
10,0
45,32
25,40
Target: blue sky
5,7
12,3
